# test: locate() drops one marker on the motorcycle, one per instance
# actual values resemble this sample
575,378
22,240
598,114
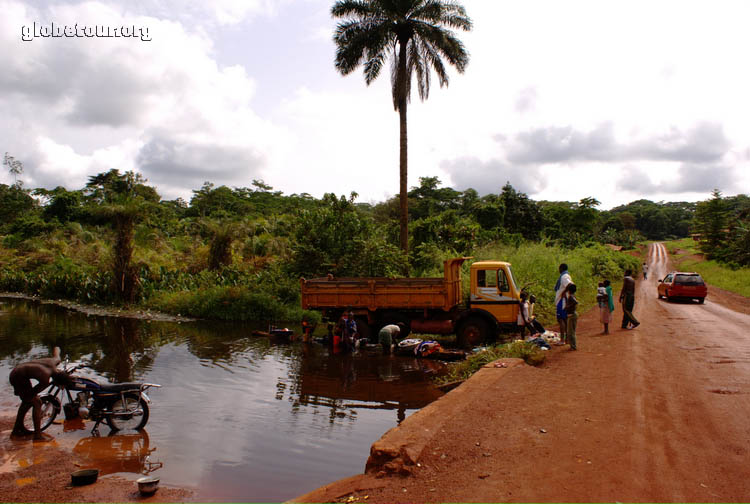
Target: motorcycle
123,406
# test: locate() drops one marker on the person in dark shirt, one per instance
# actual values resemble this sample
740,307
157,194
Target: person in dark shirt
571,304
627,299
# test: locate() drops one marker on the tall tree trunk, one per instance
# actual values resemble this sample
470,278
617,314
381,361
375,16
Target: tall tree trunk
403,158
403,175
125,277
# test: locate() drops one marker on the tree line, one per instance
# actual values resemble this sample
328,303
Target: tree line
116,240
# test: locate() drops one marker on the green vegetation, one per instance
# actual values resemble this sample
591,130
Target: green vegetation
529,352
685,255
238,253
723,228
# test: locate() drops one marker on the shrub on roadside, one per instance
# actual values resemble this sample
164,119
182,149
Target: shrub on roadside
530,353
228,303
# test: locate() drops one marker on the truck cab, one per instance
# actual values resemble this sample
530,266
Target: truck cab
494,290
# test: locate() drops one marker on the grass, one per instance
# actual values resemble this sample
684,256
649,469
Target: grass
536,265
686,256
529,352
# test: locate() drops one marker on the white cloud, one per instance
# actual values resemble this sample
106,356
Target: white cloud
560,98
130,99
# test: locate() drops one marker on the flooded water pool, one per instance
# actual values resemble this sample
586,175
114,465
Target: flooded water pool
238,417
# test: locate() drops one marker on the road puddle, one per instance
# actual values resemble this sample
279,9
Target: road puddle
128,453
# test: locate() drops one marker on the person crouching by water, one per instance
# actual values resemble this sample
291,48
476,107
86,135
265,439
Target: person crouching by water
571,303
387,337
41,370
351,334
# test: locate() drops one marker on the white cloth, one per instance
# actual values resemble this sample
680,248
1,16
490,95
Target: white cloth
564,281
523,314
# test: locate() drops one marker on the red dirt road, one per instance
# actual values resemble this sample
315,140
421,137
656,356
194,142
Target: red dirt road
660,413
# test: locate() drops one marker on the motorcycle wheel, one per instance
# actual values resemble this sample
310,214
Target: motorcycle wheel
130,412
50,410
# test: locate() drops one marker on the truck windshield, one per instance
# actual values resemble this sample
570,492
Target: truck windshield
512,279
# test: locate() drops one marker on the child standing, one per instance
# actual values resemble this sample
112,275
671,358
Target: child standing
602,300
571,303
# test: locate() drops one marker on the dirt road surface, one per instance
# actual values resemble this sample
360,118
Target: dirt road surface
660,413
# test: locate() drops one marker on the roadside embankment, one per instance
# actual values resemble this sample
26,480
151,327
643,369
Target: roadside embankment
398,452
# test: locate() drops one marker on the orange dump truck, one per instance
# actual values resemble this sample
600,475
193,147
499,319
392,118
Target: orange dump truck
423,305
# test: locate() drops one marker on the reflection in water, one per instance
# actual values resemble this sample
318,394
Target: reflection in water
367,380
238,417
118,453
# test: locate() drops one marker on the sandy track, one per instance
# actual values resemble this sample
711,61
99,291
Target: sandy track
659,413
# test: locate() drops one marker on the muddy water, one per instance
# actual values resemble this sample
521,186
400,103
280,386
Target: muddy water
238,417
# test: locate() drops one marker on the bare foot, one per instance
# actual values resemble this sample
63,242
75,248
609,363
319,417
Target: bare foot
42,437
16,433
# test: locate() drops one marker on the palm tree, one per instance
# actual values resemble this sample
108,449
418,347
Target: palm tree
417,35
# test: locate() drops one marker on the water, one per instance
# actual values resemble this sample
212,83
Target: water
238,418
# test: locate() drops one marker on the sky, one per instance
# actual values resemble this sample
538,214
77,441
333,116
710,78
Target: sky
616,100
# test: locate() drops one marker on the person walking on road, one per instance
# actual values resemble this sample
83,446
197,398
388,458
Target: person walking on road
562,284
627,298
606,305
645,271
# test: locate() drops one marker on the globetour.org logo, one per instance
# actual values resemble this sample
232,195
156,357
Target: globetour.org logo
56,30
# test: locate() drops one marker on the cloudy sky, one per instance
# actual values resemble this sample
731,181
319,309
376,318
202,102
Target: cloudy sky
563,99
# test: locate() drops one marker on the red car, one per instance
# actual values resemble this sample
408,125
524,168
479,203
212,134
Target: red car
679,284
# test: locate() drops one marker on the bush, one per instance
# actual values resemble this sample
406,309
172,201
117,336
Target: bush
225,303
530,353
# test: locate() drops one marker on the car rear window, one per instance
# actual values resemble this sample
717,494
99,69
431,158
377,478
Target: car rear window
688,280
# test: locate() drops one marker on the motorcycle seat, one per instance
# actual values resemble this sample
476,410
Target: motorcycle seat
120,387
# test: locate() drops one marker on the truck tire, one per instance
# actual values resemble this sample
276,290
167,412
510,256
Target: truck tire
364,329
472,332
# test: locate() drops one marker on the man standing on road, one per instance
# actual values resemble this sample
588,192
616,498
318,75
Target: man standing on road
41,370
645,271
560,287
627,298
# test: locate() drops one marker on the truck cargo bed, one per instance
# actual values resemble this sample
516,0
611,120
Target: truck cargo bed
385,293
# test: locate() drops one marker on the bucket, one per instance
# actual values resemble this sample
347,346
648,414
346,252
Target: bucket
70,410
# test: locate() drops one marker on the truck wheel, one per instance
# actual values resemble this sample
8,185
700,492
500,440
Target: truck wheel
364,329
473,332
